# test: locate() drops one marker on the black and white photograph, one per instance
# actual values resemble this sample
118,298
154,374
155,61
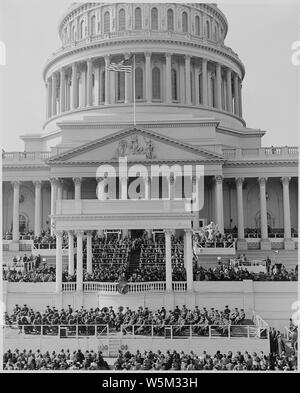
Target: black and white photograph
149,189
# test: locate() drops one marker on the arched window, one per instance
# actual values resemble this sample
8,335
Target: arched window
197,25
139,84
212,90
81,29
184,22
174,85
170,20
154,19
103,86
138,18
120,86
73,33
156,83
106,22
208,29
93,25
122,21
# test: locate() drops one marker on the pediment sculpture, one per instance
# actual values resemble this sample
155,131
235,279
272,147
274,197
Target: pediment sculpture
135,145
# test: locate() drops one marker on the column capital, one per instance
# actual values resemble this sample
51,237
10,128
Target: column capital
239,180
15,183
187,57
188,231
58,233
54,181
168,55
77,180
89,233
219,178
148,54
37,183
168,232
262,180
79,233
70,233
285,179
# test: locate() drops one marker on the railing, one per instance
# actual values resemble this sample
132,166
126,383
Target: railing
134,331
44,246
26,156
69,286
179,286
261,152
131,287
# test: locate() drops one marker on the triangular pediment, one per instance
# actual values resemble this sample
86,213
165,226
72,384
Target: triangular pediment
137,145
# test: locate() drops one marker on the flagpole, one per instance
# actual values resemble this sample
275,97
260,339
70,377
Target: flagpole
134,121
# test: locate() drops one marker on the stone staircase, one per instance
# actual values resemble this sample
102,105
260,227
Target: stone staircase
114,345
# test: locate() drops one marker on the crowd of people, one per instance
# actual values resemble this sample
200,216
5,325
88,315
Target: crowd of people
63,360
176,361
225,272
40,274
157,272
142,319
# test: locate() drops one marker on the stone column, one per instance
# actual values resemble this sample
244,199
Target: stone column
168,79
59,189
74,88
188,257
265,243
107,81
219,202
79,267
241,242
188,80
58,274
240,98
77,187
236,94
148,77
97,84
168,234
49,103
89,83
123,181
89,253
71,253
54,86
16,197
197,91
53,182
229,90
37,207
218,86
62,90
204,82
288,242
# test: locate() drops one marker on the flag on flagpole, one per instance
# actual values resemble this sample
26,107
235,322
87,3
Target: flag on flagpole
123,66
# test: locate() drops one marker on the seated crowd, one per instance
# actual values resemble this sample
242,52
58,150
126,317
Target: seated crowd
63,360
175,361
143,319
225,272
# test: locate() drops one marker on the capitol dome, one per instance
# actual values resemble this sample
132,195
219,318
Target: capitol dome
182,67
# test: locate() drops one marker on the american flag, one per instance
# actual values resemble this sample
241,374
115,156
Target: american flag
123,66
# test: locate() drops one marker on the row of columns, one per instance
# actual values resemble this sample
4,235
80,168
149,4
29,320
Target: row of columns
188,257
263,208
57,194
62,86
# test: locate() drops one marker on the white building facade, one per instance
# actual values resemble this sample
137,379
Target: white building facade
187,86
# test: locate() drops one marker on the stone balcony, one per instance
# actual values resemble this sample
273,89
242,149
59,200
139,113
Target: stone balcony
262,153
234,154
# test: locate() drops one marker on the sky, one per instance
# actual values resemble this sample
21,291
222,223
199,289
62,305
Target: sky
261,32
